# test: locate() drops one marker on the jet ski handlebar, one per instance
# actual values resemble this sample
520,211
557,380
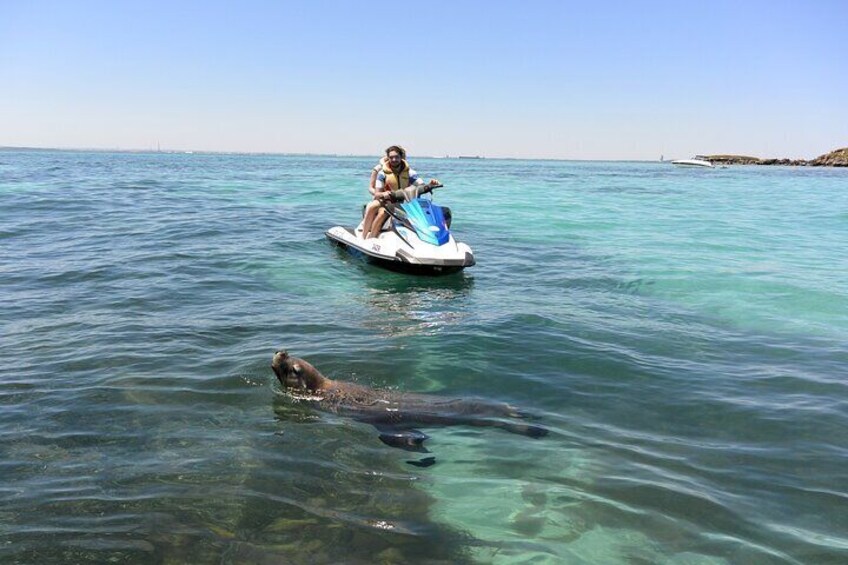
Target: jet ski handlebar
400,195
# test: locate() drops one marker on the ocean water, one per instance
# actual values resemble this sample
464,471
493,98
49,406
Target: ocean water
682,334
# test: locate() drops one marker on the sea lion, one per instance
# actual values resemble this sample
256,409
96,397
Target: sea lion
394,413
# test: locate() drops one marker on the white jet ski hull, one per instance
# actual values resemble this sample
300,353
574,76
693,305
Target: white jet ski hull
400,249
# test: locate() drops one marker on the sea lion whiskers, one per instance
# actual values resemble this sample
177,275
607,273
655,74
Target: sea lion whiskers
296,374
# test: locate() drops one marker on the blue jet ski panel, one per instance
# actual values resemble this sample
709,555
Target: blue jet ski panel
428,221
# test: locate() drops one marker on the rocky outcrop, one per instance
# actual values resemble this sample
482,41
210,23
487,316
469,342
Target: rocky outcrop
837,158
789,162
733,160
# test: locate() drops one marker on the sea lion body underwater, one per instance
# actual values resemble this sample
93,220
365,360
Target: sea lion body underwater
393,413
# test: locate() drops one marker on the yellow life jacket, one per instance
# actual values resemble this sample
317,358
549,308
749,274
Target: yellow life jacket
397,181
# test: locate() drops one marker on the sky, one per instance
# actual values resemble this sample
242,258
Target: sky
526,79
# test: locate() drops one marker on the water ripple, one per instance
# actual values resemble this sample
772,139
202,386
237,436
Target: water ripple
680,334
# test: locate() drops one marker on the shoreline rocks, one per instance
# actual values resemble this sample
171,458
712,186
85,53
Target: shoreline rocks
836,158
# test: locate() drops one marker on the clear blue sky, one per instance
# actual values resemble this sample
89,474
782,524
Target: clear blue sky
550,79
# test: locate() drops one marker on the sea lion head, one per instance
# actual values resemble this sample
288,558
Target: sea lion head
296,374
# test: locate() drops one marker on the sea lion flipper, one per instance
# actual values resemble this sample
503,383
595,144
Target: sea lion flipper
408,439
528,430
425,462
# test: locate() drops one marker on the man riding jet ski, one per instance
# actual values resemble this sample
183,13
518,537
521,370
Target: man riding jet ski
417,237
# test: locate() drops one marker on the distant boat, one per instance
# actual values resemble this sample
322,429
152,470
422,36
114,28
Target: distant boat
470,157
696,161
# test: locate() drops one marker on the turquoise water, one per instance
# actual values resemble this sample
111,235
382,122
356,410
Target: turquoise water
681,332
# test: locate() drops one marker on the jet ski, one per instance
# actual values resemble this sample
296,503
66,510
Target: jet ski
416,239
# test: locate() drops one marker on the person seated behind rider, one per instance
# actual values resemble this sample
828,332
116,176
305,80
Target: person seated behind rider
396,182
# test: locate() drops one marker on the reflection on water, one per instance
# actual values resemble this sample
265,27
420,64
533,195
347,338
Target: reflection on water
408,306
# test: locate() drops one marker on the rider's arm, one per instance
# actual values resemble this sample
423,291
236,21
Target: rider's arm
379,184
376,172
372,182
414,179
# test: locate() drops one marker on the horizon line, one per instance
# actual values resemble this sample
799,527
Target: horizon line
464,157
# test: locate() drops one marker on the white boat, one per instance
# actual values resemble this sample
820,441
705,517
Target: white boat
696,161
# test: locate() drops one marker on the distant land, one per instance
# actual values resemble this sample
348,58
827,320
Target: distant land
836,158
